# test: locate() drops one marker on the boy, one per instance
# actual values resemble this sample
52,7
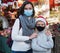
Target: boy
43,43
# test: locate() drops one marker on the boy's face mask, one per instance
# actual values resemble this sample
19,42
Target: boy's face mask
39,28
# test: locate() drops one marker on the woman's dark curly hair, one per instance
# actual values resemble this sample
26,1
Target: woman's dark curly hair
21,9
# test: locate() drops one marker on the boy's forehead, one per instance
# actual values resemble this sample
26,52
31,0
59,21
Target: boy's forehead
39,21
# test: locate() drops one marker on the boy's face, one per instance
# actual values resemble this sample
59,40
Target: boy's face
40,23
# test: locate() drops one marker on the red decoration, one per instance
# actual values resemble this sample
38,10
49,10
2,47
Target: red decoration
10,0
33,0
4,1
52,3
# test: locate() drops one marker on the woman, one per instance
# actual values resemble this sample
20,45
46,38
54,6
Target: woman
44,42
23,28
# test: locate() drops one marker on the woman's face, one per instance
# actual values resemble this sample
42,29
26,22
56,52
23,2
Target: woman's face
28,7
40,23
28,10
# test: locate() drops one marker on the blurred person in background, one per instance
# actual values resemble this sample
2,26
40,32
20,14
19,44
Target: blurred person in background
3,33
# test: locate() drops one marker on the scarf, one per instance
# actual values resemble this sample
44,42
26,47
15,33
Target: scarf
28,25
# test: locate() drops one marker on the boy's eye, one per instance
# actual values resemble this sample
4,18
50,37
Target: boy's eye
38,25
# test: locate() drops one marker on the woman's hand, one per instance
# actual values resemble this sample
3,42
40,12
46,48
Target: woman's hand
34,35
48,32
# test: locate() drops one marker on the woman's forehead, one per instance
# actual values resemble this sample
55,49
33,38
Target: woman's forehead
28,6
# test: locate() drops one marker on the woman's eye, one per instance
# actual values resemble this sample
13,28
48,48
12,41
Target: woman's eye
28,8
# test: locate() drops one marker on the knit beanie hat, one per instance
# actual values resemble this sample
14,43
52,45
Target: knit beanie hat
41,18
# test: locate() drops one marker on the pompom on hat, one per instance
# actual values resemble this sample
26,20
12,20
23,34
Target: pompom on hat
41,18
